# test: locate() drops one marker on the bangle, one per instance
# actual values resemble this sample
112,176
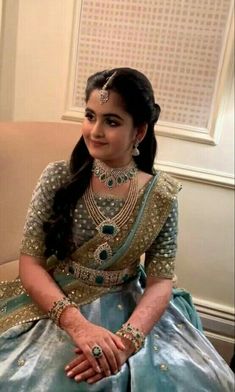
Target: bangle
133,334
58,307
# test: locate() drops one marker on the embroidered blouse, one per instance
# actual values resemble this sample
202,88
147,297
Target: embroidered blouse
159,257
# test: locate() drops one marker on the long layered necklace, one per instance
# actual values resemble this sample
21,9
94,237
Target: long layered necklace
109,227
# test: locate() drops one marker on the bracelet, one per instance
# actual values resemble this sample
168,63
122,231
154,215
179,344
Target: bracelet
131,338
133,334
58,307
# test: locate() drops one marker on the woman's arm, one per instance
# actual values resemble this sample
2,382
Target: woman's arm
38,282
44,291
159,265
41,286
152,304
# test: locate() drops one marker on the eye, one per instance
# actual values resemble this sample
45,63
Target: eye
90,116
112,123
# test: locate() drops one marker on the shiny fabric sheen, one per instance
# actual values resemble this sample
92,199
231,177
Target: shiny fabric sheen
176,356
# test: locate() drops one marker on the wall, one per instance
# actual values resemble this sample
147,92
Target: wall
8,53
206,246
34,74
37,75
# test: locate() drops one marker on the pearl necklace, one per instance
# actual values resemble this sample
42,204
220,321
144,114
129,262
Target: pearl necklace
114,176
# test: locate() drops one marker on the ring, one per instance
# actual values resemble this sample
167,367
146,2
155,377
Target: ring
97,351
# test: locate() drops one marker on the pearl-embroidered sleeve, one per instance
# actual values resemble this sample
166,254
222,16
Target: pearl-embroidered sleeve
160,257
40,208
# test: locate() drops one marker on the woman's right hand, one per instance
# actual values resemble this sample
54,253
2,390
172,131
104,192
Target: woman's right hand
80,369
87,335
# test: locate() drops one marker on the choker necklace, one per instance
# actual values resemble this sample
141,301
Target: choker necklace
114,176
109,227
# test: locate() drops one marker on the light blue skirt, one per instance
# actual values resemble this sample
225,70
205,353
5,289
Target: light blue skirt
176,355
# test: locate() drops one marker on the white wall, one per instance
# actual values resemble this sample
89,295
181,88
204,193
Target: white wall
205,261
39,73
8,52
213,158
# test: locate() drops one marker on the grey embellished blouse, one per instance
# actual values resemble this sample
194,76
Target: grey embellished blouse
159,257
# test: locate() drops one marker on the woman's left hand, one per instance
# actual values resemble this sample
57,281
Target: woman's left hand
81,370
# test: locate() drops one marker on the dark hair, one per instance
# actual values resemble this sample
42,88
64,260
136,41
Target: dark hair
137,97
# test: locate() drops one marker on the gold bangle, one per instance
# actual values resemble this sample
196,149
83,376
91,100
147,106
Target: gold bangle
134,331
58,307
133,334
123,334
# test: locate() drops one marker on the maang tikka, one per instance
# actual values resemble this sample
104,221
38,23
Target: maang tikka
104,93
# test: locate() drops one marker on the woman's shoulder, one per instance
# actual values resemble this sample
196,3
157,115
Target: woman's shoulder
57,166
55,174
143,180
166,185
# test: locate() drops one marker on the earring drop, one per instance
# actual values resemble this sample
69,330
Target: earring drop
136,151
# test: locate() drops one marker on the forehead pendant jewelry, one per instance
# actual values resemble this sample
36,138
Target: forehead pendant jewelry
104,93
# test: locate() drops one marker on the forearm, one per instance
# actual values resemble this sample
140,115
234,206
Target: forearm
152,305
43,290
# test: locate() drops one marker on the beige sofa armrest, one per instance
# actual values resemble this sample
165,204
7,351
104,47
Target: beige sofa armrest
10,270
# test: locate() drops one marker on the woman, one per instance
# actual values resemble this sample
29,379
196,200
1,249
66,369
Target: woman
81,320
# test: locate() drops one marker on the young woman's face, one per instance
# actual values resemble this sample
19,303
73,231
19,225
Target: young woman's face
108,130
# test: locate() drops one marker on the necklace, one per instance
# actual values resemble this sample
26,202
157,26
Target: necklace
106,227
114,176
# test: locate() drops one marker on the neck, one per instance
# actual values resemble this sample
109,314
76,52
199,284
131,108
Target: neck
114,176
113,165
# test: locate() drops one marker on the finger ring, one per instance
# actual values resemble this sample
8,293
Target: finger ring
97,351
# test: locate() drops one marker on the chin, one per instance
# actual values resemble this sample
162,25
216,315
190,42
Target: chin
98,155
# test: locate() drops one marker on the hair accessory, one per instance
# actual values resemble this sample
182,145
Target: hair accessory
136,151
104,93
97,352
133,334
58,307
114,176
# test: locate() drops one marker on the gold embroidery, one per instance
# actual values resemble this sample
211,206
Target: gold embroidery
77,291
32,246
154,217
40,208
162,268
25,314
11,289
21,362
164,367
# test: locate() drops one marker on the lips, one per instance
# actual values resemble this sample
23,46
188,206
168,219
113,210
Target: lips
97,144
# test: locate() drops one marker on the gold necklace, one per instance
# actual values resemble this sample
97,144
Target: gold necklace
109,227
119,219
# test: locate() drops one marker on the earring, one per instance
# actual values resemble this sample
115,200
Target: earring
136,151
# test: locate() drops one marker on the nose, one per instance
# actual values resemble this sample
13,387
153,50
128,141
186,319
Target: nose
97,130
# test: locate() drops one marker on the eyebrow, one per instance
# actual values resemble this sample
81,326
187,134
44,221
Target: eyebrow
106,114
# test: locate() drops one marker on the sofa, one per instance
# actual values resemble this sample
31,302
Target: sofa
25,149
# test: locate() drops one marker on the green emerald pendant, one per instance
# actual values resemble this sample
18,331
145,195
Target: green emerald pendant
108,229
102,253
